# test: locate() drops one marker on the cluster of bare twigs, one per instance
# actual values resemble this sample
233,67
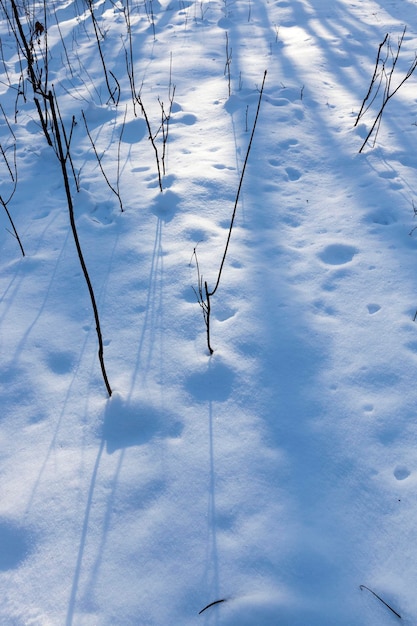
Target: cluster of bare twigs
31,38
382,84
56,135
227,64
114,91
113,188
137,100
162,130
11,174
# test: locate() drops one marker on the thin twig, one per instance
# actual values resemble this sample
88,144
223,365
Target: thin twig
373,79
204,296
115,191
99,34
211,604
62,161
361,587
213,291
228,62
388,93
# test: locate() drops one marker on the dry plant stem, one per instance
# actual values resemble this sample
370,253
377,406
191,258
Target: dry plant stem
13,176
371,85
119,147
137,100
228,62
388,92
151,138
361,587
68,62
208,312
115,191
129,55
6,72
14,233
151,17
35,77
212,604
62,160
67,140
43,122
213,291
58,130
21,89
44,53
99,34
26,48
165,118
204,298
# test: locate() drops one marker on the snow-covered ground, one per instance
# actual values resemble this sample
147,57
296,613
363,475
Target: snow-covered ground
278,474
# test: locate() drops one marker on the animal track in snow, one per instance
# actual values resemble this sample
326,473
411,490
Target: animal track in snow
373,308
375,377
321,308
337,254
167,181
224,313
389,174
220,166
293,174
274,162
278,102
288,143
401,472
383,218
40,216
188,119
61,362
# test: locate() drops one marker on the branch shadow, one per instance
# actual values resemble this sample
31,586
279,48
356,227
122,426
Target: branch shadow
84,532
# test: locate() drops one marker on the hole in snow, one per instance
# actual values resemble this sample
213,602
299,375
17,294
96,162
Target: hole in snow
60,362
337,254
401,472
293,174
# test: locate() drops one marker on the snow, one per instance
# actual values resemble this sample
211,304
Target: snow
277,474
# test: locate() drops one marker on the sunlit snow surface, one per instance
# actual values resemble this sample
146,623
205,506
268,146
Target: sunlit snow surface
280,473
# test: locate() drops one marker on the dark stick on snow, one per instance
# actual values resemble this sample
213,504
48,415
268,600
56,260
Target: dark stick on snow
213,291
373,79
62,160
361,587
203,297
211,604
